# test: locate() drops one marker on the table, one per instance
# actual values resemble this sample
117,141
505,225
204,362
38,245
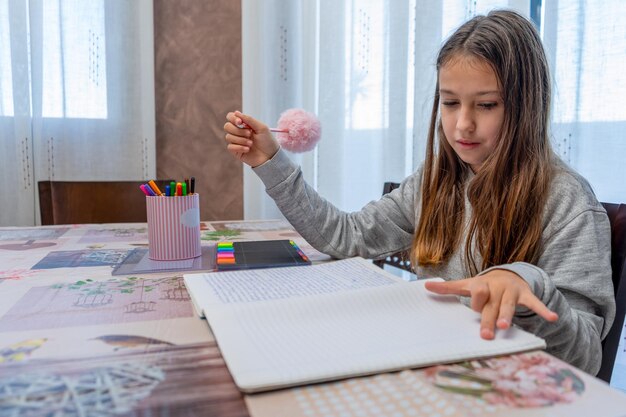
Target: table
77,341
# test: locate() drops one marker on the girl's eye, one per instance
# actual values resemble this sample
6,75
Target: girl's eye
488,106
449,103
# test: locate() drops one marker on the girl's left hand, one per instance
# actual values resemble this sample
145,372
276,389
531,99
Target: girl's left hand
495,295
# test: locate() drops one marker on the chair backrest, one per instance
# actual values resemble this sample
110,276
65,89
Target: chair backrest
617,218
69,202
400,259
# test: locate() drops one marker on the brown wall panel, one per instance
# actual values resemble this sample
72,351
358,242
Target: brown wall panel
198,81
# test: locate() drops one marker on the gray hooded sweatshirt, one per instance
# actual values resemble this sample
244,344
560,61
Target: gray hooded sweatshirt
572,276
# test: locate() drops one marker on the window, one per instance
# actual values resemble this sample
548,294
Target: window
74,59
6,71
76,83
586,46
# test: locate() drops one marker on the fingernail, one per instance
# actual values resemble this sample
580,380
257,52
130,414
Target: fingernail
504,323
486,333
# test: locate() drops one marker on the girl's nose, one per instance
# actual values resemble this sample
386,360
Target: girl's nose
465,121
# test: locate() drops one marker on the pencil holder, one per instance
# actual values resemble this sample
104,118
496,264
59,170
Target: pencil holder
173,227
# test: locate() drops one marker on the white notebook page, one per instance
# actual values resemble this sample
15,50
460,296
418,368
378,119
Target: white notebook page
251,285
283,342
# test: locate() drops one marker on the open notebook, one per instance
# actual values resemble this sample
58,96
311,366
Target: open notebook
297,325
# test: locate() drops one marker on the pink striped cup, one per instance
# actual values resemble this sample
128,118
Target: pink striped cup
173,227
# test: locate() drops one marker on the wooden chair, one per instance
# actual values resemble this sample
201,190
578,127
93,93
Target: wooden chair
70,202
617,218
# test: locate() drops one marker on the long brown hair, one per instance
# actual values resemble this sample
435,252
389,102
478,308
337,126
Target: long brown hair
509,191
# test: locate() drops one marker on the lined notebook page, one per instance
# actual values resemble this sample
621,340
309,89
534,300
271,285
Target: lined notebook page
253,285
294,341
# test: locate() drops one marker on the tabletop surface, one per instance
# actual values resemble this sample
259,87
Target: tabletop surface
76,340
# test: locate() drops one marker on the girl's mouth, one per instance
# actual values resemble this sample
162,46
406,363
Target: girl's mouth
467,144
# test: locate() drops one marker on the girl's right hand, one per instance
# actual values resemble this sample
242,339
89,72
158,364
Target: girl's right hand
249,140
495,295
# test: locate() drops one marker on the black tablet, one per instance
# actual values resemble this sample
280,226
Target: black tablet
259,254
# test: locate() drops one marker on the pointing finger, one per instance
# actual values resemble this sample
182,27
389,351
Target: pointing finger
450,287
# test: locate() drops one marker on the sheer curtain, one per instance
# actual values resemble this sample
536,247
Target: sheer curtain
586,45
279,68
377,93
76,96
369,75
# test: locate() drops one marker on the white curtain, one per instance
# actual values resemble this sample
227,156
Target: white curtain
279,68
586,44
76,96
369,75
377,79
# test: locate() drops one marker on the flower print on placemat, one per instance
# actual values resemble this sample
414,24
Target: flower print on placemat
520,381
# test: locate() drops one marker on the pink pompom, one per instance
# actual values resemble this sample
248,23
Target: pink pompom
299,130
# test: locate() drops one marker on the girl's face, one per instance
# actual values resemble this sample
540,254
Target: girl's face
471,108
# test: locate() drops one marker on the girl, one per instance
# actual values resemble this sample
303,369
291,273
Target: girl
493,210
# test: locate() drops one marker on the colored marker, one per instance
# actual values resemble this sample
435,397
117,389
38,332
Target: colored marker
192,185
295,246
179,189
184,188
154,187
147,189
172,188
142,186
167,190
